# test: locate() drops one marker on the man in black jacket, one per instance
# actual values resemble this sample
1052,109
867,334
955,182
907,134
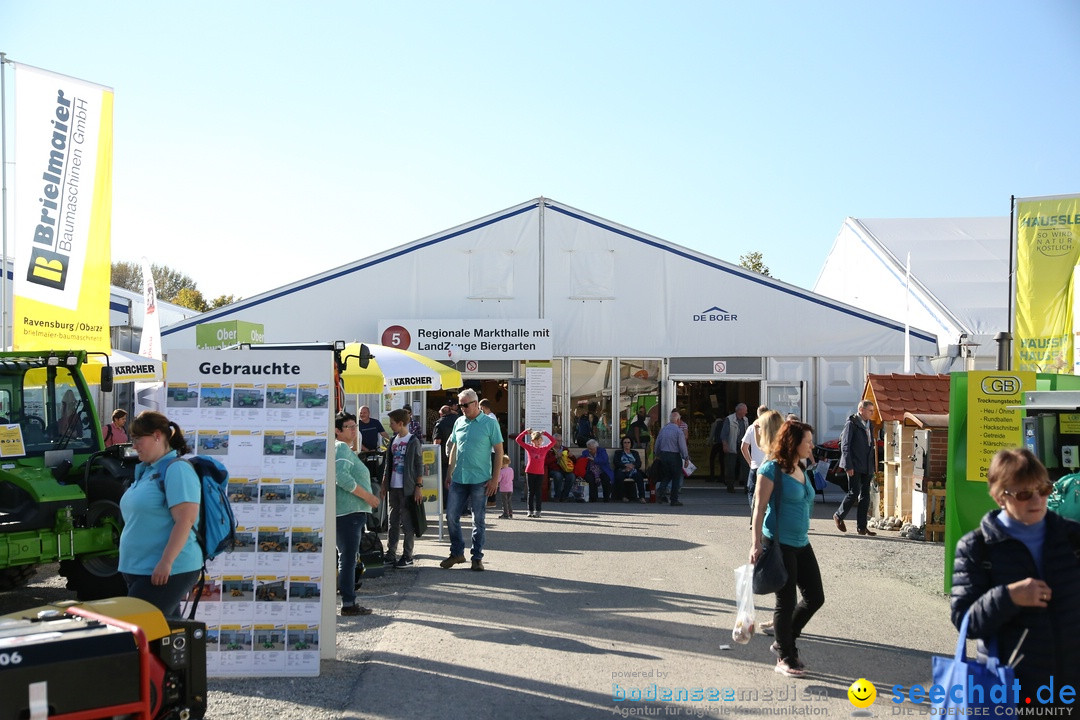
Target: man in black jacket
858,456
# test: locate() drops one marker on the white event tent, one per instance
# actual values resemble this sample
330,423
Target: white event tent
615,299
959,277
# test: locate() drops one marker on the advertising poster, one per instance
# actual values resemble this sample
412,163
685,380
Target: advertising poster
993,421
484,339
269,605
1048,248
62,211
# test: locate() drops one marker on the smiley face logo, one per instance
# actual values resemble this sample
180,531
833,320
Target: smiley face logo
862,693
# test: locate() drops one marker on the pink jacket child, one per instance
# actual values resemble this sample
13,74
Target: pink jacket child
506,479
537,453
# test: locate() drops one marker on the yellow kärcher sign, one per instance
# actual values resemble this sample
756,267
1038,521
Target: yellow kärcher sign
1048,247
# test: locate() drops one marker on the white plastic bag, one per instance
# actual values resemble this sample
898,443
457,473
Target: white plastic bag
875,500
744,605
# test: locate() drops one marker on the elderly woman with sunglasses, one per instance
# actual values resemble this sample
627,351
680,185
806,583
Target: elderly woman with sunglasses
1018,575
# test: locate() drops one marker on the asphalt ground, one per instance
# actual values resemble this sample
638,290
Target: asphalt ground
596,600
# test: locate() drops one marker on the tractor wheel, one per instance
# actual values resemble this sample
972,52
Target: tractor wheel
94,578
16,577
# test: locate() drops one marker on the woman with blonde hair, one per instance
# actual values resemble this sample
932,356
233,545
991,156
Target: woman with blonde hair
756,444
535,450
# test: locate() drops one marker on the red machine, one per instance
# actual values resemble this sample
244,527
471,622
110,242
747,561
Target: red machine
97,660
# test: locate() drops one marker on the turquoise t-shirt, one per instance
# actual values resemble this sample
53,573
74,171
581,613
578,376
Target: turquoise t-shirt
474,439
148,522
349,471
795,508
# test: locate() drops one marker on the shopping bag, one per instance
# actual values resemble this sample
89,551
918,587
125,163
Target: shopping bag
959,672
419,517
821,474
689,468
744,605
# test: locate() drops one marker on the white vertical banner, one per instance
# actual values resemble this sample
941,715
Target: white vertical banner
538,397
149,396
62,211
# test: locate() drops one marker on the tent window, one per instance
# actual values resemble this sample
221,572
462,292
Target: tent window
592,275
491,275
590,402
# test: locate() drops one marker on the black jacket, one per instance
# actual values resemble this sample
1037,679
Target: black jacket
857,451
987,560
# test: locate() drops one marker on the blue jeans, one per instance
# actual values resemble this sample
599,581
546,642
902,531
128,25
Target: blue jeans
462,496
349,529
165,598
561,482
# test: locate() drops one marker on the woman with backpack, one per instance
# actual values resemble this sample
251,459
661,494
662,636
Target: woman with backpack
159,555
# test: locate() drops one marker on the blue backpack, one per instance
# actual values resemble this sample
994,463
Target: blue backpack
216,528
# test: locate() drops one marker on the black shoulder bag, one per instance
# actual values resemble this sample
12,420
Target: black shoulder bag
770,574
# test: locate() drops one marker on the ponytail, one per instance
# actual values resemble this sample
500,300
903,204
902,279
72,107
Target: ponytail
150,420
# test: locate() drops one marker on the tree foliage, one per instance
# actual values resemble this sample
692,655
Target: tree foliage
222,301
190,298
170,285
167,282
755,261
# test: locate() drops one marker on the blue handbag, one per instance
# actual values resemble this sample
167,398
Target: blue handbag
955,674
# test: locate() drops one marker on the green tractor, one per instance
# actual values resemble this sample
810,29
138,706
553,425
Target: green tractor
59,489
314,401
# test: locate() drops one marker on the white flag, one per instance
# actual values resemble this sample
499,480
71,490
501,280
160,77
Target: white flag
150,396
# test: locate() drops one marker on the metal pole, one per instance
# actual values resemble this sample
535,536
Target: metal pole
1012,274
3,201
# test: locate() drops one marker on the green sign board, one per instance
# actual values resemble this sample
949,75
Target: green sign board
213,336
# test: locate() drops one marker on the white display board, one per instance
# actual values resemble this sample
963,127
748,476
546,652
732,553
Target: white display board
267,416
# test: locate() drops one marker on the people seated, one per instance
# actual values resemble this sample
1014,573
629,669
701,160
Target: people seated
629,480
559,465
599,474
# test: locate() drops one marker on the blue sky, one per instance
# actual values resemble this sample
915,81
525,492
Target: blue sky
257,143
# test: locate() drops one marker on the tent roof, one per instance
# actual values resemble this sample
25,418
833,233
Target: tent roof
542,258
963,263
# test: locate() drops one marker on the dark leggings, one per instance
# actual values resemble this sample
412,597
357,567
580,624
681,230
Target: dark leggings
165,598
535,483
789,619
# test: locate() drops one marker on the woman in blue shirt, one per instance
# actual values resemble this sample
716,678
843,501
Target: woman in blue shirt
159,556
790,527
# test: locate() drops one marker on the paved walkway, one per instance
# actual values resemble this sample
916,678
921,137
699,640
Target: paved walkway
597,599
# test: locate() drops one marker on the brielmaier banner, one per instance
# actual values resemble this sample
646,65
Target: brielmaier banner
1048,246
62,211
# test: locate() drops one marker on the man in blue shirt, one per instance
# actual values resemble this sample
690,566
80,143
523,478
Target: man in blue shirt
475,439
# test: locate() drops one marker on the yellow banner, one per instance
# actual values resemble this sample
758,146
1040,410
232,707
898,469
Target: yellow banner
1048,247
993,422
63,212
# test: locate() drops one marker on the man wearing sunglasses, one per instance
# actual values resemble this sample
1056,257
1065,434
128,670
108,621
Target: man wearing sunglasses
473,476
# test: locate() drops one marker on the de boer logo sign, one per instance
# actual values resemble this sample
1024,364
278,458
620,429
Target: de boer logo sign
715,314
